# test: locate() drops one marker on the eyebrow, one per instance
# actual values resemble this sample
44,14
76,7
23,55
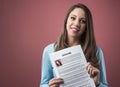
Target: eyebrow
76,16
72,15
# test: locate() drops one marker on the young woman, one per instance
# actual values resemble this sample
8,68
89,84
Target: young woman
78,29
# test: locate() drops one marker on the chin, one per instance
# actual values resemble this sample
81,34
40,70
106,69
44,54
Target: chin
74,36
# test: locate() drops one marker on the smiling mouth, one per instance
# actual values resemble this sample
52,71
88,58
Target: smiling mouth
75,29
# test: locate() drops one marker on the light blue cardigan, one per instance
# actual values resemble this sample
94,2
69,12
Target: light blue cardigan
47,69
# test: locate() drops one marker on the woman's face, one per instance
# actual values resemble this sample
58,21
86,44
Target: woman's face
76,23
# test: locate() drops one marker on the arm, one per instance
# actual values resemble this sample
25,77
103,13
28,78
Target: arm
47,72
103,80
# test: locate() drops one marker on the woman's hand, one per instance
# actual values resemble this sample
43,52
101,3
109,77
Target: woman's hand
94,73
55,82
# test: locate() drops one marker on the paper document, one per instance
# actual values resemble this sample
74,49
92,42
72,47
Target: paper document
70,65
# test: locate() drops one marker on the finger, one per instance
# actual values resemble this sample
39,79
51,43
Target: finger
95,72
96,77
54,85
91,71
55,81
87,65
89,68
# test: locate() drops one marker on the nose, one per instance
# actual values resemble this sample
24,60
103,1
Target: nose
76,23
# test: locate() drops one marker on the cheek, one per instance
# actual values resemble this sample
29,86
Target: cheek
68,24
84,28
68,27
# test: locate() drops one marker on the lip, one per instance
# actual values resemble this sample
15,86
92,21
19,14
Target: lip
75,29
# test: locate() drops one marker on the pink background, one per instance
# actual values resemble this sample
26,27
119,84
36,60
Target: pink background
27,26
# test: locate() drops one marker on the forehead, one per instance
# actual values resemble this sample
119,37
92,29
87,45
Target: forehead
78,12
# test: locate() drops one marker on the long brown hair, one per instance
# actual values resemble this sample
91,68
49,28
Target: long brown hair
87,39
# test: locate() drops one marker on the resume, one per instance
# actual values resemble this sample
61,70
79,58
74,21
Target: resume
70,65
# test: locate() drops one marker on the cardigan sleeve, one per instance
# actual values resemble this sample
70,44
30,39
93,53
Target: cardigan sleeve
103,80
47,70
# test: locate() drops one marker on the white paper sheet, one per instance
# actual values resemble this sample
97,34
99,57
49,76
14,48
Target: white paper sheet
70,65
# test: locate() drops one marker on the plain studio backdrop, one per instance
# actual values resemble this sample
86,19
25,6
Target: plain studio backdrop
27,26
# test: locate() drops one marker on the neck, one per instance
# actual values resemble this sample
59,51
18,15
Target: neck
73,41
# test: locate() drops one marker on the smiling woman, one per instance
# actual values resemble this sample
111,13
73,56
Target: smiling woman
78,30
76,24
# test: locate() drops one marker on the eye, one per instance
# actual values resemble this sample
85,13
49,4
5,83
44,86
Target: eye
73,18
83,20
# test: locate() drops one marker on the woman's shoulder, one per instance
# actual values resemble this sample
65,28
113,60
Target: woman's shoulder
50,48
99,53
99,50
